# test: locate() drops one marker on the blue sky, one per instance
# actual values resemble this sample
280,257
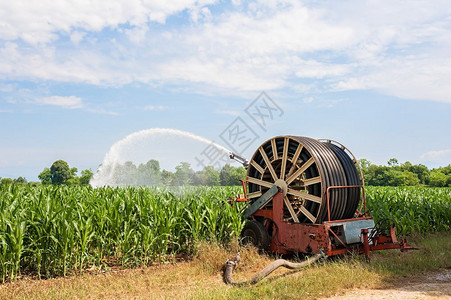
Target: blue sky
77,76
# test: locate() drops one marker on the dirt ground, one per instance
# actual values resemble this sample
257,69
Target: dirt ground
436,285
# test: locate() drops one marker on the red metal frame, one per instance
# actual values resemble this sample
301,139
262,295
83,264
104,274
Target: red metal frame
245,192
311,238
238,198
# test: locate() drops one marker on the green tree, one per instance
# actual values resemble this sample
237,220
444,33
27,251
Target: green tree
183,174
227,175
378,175
197,178
74,171
86,176
364,163
420,170
230,175
437,178
402,178
395,174
20,180
61,172
73,181
393,162
167,177
445,170
7,181
126,174
210,176
240,174
45,176
149,173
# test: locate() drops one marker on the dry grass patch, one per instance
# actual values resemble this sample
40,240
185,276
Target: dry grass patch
322,279
210,257
201,277
179,280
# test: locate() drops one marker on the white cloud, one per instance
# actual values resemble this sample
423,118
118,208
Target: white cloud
6,88
423,77
155,107
137,34
45,63
438,156
77,36
314,69
102,111
221,74
70,102
200,14
291,30
308,100
396,48
38,22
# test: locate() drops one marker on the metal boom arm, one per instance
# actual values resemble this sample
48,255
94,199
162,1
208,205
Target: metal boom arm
262,201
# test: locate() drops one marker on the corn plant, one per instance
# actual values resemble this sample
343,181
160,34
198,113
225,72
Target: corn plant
414,209
57,230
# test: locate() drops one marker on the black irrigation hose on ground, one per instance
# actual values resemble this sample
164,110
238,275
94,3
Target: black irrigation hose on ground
231,264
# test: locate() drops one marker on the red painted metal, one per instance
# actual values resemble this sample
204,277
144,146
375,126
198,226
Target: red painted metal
366,243
243,182
266,213
289,237
294,237
392,234
238,198
346,220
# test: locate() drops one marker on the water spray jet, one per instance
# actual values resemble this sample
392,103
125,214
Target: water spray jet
105,173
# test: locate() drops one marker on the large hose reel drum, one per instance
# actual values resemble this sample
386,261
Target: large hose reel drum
304,168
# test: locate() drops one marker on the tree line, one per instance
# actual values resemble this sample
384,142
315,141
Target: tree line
58,173
150,173
405,174
147,174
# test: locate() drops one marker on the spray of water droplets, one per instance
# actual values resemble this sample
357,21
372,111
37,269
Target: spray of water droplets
105,173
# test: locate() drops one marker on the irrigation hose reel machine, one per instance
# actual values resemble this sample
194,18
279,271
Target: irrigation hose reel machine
307,195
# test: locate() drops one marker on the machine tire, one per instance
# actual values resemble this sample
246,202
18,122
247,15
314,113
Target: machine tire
255,233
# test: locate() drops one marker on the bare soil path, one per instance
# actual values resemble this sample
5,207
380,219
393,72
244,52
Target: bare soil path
434,285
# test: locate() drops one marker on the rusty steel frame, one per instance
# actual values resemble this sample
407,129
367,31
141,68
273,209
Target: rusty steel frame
312,238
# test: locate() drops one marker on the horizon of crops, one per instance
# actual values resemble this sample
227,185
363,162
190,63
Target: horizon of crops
58,230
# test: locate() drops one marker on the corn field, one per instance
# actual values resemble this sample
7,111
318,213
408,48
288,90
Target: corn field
414,209
51,231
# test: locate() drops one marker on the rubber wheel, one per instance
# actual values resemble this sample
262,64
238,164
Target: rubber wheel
255,233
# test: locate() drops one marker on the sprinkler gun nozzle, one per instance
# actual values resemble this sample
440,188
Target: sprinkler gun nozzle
239,159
